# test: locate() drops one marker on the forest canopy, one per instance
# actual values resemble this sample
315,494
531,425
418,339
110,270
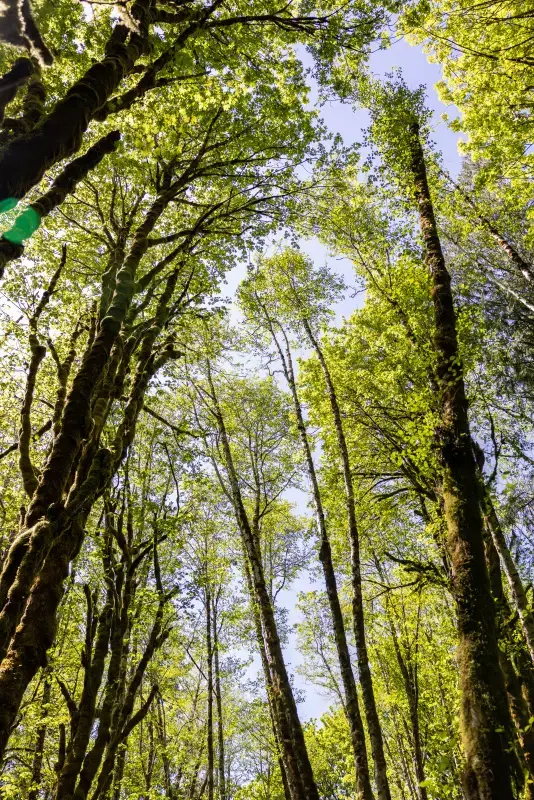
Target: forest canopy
207,476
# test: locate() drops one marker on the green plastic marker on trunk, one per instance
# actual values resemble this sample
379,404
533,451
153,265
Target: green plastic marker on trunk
7,204
25,224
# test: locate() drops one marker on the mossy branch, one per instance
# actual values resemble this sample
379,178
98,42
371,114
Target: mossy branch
24,161
38,352
64,184
10,83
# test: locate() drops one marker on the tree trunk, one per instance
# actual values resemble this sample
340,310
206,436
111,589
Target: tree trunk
408,670
25,160
351,706
86,708
484,712
38,562
162,736
209,657
364,670
218,697
118,774
412,695
514,683
524,267
36,631
38,754
282,690
517,590
119,639
291,779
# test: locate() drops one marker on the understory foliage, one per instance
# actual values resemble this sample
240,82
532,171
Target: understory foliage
252,549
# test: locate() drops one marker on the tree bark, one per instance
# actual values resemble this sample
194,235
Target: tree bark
409,677
515,683
517,590
484,712
293,789
38,754
10,243
526,269
218,697
24,161
209,657
94,671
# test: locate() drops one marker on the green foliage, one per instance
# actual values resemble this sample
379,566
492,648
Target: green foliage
486,55
216,136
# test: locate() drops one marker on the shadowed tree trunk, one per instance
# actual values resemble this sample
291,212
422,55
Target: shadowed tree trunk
218,697
162,737
517,682
26,158
517,590
11,246
84,716
24,161
290,777
209,660
409,678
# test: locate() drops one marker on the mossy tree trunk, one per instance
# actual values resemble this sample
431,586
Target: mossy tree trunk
209,670
288,767
485,720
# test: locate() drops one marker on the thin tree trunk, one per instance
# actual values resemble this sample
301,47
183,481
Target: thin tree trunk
118,641
512,293
87,706
526,269
123,719
484,711
517,590
364,671
408,672
282,690
118,774
280,680
162,736
120,739
351,705
38,754
209,656
405,762
218,697
291,780
411,689
514,684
